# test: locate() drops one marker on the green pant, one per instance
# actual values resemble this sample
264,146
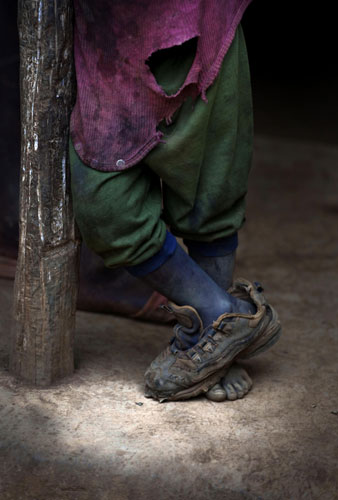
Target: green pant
195,182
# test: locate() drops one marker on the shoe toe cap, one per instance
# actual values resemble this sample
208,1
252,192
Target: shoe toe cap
160,383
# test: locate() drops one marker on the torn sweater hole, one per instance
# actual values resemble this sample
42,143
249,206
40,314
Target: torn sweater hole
171,66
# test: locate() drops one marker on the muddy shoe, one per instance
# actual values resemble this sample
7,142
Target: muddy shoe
177,374
269,336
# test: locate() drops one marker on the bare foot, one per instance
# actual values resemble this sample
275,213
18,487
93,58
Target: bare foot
234,385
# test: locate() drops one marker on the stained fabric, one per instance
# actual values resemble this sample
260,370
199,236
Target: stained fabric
204,166
119,103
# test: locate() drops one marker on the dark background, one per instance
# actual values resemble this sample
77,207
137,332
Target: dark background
293,58
293,62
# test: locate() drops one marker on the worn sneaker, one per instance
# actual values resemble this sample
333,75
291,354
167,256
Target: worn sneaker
182,374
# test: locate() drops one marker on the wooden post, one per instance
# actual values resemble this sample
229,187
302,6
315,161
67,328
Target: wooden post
46,280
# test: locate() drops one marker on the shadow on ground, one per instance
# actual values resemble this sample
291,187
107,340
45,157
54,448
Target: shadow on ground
95,435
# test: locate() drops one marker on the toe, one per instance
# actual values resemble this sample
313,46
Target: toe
245,385
216,393
239,389
230,392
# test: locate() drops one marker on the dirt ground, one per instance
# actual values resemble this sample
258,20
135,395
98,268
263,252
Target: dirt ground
95,436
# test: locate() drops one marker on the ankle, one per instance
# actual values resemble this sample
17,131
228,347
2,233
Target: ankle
245,307
212,309
209,312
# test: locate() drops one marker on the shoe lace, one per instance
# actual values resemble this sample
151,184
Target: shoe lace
200,347
207,339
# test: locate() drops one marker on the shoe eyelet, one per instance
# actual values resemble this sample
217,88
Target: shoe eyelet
209,347
258,286
196,357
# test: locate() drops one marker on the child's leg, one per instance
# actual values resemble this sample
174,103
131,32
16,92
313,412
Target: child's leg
205,163
181,280
206,159
126,229
204,166
118,213
119,218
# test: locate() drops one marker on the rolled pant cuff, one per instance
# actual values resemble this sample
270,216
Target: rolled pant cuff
217,248
157,260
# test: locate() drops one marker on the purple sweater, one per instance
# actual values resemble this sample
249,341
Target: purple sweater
119,104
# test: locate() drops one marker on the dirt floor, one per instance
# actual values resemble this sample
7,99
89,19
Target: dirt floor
95,436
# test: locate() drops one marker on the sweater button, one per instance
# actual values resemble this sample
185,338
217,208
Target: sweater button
120,163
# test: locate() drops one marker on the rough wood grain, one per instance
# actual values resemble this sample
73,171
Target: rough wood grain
47,271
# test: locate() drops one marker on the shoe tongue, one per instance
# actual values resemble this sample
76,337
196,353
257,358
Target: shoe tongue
188,329
187,317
